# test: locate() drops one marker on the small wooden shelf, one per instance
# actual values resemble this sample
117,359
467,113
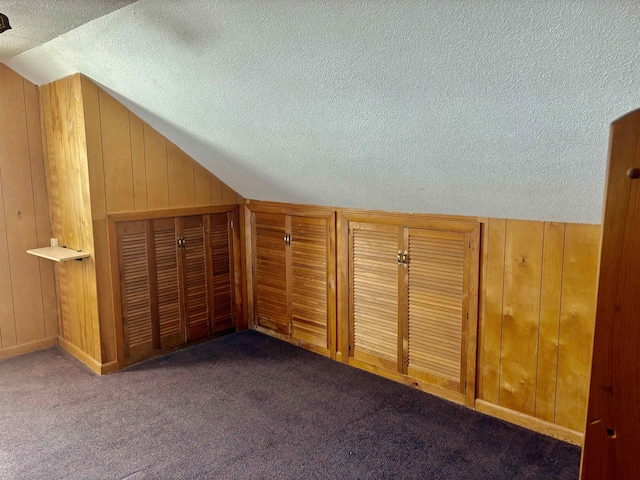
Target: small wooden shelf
59,254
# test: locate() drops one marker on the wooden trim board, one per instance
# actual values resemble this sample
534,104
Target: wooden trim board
28,347
532,423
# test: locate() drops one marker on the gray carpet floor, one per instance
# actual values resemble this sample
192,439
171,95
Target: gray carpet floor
249,406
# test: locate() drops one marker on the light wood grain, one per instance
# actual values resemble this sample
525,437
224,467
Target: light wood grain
613,424
202,185
577,323
181,178
155,148
521,315
116,149
138,163
227,195
550,295
494,293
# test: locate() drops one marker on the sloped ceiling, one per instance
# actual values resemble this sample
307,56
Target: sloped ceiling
491,108
35,22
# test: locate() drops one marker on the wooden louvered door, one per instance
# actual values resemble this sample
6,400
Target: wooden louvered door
375,288
310,256
435,282
271,275
193,267
168,299
220,274
141,337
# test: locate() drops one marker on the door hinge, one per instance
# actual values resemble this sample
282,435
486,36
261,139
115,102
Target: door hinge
467,315
465,384
349,230
232,225
349,348
469,244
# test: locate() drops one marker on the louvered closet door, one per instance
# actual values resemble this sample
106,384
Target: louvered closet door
135,285
194,275
272,308
436,306
309,288
222,294
374,285
169,313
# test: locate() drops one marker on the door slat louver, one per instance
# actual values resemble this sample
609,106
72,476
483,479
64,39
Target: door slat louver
270,273
436,304
309,280
195,278
374,289
222,266
135,289
168,284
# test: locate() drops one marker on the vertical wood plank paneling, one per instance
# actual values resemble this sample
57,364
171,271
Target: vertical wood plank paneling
138,166
581,253
19,210
521,315
496,238
216,190
43,224
181,178
104,292
7,314
116,149
552,259
93,135
228,195
202,185
155,148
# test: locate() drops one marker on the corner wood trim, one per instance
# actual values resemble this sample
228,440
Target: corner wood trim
28,347
93,364
532,423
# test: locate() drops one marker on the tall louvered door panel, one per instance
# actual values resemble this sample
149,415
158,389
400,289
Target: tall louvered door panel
221,279
271,272
309,245
135,256
193,266
374,285
169,315
436,279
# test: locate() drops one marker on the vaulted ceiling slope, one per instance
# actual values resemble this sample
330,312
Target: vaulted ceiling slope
491,108
35,22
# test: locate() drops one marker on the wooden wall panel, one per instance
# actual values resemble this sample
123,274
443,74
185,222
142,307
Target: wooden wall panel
550,295
155,148
28,311
577,324
521,313
202,185
116,151
138,163
494,259
181,178
228,195
537,326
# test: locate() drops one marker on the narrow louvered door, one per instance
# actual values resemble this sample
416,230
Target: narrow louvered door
271,296
169,313
134,250
193,265
374,285
436,306
221,292
309,290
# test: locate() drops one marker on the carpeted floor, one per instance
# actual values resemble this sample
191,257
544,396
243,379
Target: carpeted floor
249,406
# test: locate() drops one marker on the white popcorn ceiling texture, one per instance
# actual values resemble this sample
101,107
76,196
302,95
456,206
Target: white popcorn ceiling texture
490,108
34,22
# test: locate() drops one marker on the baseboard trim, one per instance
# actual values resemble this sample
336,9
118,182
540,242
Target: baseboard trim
532,423
28,347
85,358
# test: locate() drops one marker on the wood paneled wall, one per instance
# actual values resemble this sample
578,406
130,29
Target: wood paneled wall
537,318
28,316
121,165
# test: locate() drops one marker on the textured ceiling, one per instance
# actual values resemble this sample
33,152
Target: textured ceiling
491,108
34,22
